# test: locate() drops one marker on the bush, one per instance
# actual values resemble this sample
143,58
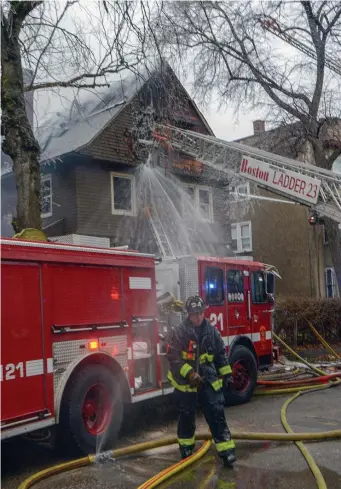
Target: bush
292,316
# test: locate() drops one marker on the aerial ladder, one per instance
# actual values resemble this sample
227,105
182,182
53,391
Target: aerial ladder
303,183
155,221
298,41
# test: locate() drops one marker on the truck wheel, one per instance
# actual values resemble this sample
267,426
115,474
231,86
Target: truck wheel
244,373
91,411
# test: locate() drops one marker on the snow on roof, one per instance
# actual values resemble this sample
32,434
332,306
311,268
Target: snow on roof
88,113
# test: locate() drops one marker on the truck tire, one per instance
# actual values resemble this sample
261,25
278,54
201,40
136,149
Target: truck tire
244,372
91,410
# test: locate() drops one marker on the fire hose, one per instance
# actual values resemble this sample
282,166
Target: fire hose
166,474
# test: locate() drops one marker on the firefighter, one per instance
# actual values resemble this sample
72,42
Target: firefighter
199,370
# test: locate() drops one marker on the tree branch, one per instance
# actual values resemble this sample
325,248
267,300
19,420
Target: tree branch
74,82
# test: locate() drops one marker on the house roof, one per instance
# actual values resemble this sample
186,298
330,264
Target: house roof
89,113
281,140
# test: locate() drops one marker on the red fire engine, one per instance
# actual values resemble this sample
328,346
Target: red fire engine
81,336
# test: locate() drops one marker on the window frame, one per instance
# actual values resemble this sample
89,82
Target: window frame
215,303
196,203
123,212
238,226
229,294
333,284
43,179
236,195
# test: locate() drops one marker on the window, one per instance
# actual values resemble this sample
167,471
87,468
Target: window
235,286
214,285
46,196
199,198
240,192
337,165
258,288
123,197
241,236
330,283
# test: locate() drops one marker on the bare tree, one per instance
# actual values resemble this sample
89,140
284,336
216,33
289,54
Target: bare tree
62,44
236,50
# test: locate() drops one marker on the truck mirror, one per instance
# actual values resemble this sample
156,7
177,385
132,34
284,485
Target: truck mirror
270,298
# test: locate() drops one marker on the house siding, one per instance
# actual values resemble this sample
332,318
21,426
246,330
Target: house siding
114,142
64,205
95,216
283,237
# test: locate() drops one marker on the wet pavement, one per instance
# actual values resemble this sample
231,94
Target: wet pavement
265,465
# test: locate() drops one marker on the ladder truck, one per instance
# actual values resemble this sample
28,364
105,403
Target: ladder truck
306,184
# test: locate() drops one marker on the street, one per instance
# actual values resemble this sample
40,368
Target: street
268,465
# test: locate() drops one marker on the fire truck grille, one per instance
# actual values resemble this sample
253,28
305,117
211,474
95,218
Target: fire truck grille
67,352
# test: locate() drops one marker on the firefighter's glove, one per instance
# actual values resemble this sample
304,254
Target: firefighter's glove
227,381
194,379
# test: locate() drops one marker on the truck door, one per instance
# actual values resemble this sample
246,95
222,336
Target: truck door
237,285
212,277
22,358
261,308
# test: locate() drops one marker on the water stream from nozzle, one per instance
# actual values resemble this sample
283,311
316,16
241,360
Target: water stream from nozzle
185,220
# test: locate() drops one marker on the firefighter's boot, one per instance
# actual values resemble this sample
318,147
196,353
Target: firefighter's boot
229,458
186,452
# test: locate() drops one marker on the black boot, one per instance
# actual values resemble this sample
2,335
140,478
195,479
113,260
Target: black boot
186,452
229,457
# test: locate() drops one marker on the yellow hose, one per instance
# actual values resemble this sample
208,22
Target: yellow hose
321,483
172,440
316,370
174,469
287,390
169,472
323,341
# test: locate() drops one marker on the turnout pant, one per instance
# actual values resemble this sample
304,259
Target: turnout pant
212,405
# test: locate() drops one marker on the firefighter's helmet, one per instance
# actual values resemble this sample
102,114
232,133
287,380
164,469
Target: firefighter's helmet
195,304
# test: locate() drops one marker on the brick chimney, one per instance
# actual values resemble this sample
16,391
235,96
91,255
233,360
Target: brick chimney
258,126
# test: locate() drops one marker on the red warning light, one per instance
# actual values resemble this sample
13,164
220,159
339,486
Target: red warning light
115,294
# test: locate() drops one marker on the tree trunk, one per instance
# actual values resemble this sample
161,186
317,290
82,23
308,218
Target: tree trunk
334,243
20,143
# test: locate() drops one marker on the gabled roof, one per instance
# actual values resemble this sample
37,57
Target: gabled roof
87,116
91,112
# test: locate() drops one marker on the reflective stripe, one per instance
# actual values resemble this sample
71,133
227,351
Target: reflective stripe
206,357
226,369
185,369
187,356
180,387
217,384
225,445
186,442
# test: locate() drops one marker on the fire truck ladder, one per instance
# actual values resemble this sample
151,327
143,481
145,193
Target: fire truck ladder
157,228
279,30
219,154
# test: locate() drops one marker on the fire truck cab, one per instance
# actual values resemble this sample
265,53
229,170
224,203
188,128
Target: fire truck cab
81,336
239,295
